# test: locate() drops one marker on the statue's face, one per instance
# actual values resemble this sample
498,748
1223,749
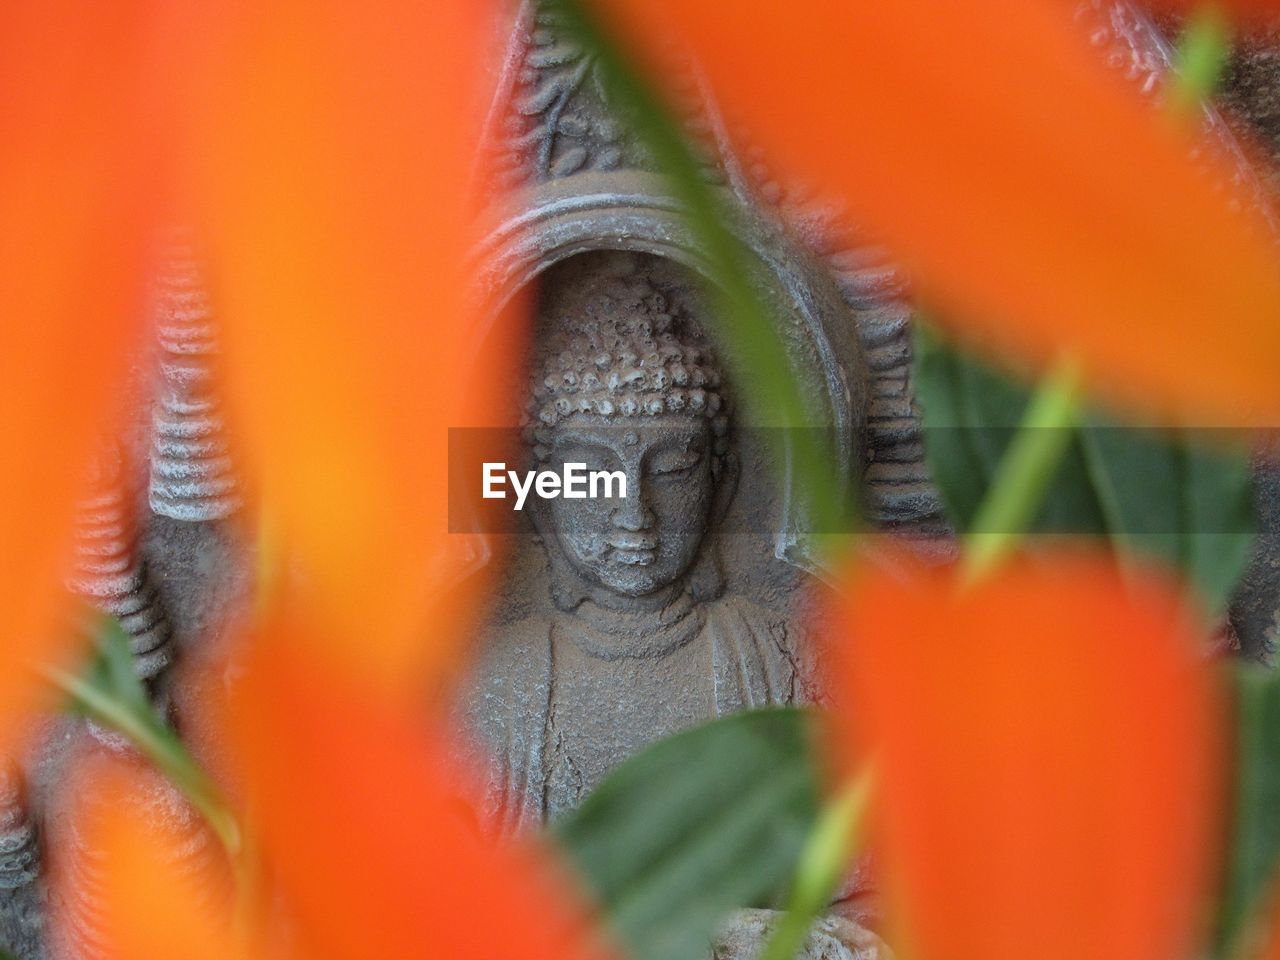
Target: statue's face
649,540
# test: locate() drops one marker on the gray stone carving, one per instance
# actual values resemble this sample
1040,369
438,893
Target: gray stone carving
21,895
624,623
641,638
191,469
832,938
112,575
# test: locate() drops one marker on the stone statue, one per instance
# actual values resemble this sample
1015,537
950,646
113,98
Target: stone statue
641,638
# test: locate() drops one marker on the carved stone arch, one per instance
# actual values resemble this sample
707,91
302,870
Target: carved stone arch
630,211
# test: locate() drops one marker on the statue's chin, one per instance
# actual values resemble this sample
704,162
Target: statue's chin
632,583
632,587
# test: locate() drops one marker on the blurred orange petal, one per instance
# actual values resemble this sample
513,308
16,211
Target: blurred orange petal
136,875
340,153
1038,200
1047,753
367,829
74,159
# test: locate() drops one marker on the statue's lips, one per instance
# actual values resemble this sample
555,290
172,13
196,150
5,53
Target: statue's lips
634,558
637,552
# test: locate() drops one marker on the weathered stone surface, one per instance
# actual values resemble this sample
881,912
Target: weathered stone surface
832,938
638,636
22,897
191,470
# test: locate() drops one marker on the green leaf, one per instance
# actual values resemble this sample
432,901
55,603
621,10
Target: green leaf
1159,493
115,669
699,824
110,692
1203,51
1253,852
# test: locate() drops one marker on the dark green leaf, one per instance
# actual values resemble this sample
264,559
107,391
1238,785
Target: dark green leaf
1254,849
701,823
1157,492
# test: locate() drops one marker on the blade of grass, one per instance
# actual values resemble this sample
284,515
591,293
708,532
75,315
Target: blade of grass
1029,464
1202,54
158,744
111,693
1025,472
834,841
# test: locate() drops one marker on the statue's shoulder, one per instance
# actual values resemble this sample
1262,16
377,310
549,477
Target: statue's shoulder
500,712
507,680
781,628
780,639
506,677
510,652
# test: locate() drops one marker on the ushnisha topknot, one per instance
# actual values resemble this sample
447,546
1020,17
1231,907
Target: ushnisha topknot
617,345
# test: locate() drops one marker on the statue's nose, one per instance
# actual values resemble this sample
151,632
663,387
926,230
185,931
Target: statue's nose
633,514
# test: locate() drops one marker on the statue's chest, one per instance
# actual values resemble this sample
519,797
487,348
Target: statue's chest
603,711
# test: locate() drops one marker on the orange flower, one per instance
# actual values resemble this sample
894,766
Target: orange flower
335,160
1047,754
364,823
75,154
1039,201
368,845
135,874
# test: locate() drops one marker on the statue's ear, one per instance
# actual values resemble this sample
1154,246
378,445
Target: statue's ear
725,474
706,581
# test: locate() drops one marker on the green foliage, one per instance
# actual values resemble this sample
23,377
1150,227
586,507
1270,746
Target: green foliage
1253,852
110,692
1203,50
1157,493
701,823
832,843
112,673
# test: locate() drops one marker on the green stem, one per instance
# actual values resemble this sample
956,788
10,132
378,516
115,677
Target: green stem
754,342
162,748
1025,472
1202,54
834,840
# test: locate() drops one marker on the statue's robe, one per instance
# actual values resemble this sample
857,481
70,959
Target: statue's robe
516,698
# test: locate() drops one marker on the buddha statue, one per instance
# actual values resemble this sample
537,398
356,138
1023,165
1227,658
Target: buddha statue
640,638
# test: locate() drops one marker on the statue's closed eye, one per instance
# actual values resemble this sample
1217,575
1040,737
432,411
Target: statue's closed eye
667,462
